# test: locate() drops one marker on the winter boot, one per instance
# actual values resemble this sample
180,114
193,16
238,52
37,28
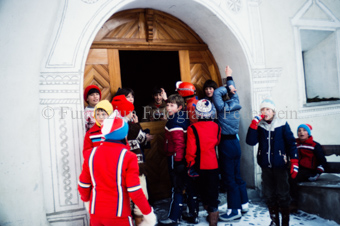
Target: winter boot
175,210
192,216
274,216
138,220
233,215
285,216
213,218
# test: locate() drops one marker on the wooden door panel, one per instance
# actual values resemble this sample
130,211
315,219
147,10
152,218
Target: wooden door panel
159,186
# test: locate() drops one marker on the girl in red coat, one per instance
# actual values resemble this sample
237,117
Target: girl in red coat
110,178
202,139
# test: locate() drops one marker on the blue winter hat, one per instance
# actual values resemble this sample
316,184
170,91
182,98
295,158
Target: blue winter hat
204,109
267,103
115,127
307,127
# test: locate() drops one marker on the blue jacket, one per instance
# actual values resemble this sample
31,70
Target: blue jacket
273,154
228,115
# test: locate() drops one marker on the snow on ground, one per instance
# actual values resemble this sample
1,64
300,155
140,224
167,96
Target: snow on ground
257,215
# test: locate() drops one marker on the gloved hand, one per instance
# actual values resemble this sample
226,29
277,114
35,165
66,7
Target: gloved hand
179,166
314,178
294,167
149,219
192,172
320,169
255,122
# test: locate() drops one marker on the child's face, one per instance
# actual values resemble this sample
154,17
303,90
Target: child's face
93,99
302,134
100,116
209,91
268,114
172,108
158,98
130,98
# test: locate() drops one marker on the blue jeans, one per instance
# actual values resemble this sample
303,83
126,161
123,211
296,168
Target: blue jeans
229,160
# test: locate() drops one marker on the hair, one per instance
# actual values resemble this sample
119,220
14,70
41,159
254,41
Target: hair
176,99
125,92
210,83
156,90
101,109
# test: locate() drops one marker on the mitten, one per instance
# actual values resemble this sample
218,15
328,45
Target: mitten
255,122
314,178
294,167
320,169
149,219
192,172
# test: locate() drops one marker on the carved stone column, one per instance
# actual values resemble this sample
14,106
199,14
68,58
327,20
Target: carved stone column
61,146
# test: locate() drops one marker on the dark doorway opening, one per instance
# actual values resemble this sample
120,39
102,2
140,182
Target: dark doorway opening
143,70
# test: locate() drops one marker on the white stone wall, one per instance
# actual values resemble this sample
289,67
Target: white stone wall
44,45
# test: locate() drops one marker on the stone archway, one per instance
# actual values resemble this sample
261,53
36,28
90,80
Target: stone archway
61,85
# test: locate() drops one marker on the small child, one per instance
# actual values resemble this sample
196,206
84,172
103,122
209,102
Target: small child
312,160
156,110
94,137
92,96
109,179
228,117
175,136
187,90
202,140
276,147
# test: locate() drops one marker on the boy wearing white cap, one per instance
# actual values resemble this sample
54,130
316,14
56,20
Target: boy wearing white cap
276,149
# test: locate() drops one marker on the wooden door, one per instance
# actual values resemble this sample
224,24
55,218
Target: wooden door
151,30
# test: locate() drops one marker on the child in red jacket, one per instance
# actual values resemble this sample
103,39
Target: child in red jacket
312,161
202,139
175,138
110,178
187,90
94,137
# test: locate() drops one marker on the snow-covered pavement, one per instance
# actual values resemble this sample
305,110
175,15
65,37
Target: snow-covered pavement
257,215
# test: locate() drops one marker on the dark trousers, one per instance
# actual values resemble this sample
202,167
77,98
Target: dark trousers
208,181
177,171
229,160
303,175
275,187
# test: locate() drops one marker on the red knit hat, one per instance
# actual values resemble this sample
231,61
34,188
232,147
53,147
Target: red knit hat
122,105
88,89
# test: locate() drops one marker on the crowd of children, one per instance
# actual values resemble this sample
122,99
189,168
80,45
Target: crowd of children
203,153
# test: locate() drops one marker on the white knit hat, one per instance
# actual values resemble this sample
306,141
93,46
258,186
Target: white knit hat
204,109
267,103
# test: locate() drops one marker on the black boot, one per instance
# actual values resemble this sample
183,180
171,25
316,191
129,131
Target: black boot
192,216
285,216
274,215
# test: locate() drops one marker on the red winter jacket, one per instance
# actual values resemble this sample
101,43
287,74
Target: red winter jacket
109,179
311,154
175,135
93,137
209,136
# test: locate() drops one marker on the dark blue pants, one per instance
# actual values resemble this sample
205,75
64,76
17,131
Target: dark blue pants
229,159
275,187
